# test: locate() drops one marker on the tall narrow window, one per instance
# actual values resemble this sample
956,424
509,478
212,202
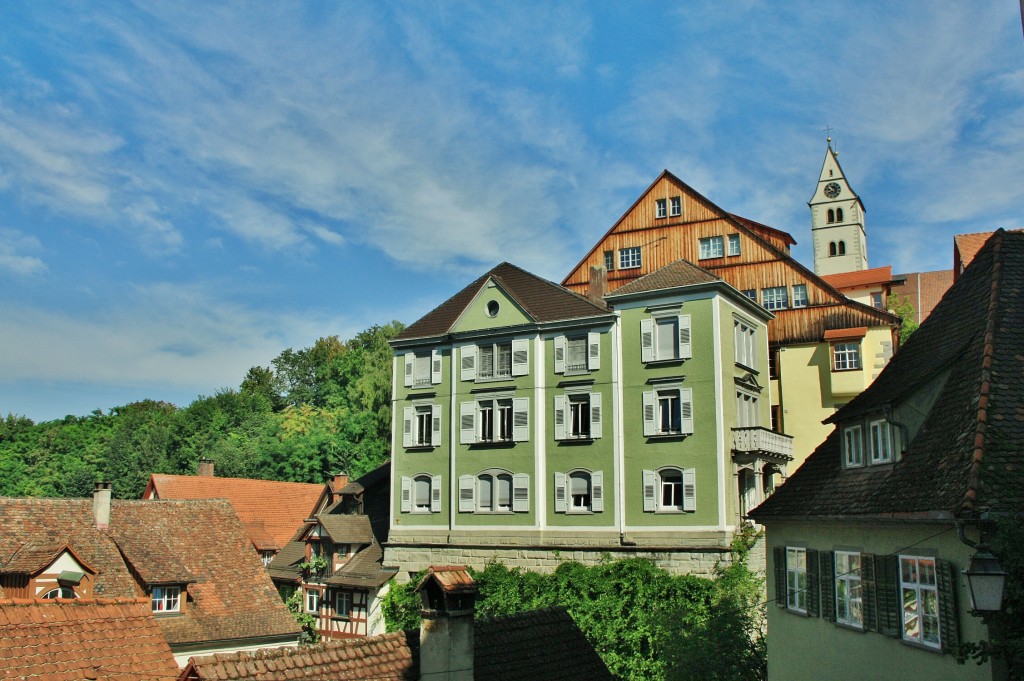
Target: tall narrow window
831,249
881,442
660,208
676,208
734,244
839,214
579,491
849,596
842,248
831,216
853,446
920,600
799,295
609,260
796,579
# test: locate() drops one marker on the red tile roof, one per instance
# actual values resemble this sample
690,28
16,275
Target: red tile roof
674,275
924,290
859,279
271,511
71,640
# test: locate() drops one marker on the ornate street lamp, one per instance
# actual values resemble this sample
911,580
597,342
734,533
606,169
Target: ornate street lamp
986,580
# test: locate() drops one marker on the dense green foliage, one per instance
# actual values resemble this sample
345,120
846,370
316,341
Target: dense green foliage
317,410
644,622
904,309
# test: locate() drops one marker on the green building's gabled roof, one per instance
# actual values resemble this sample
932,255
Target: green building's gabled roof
542,300
673,275
965,460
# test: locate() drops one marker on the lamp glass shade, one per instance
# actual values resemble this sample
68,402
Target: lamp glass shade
985,580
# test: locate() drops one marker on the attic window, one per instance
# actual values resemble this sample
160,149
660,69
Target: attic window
166,599
60,592
492,308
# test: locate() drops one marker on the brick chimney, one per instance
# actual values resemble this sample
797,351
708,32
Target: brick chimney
447,605
598,285
339,481
205,468
101,505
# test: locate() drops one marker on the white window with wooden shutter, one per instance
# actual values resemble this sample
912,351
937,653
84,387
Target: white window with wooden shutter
406,494
597,491
650,480
421,426
467,423
520,357
521,493
670,490
467,355
560,493
435,494
577,416
467,494
665,338
560,347
435,366
410,368
408,419
690,489
593,351
435,425
521,419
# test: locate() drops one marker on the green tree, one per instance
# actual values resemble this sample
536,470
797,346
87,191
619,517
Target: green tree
139,445
904,309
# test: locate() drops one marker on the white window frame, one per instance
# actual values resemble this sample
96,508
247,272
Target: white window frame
745,340
853,446
471,365
878,300
849,592
796,579
775,298
711,247
630,258
166,599
343,601
421,369
800,295
470,500
408,499
573,406
609,260
312,601
421,426
916,590
659,401
675,208
683,482
660,208
475,424
734,244
652,330
882,442
66,592
591,359
846,356
748,414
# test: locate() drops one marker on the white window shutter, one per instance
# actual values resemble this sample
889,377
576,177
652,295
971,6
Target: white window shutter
650,425
560,410
559,354
597,491
647,340
686,410
435,366
595,415
650,489
685,347
468,370
689,490
435,425
521,493
435,494
520,356
406,494
467,494
521,419
560,493
593,351
409,416
467,423
410,361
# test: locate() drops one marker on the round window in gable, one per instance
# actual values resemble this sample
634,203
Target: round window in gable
492,308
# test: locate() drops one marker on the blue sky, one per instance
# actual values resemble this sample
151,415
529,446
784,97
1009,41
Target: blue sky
186,189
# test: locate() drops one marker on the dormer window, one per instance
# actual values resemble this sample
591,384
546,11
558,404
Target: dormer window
853,446
60,592
882,443
166,599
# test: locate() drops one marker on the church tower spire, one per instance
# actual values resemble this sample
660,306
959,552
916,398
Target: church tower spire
837,221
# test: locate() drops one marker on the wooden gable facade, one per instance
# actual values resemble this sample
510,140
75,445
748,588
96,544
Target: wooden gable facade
750,256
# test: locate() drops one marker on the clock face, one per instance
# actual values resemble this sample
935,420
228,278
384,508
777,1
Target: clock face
832,190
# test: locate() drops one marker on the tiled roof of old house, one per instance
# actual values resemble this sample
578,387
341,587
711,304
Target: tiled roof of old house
363,570
859,278
965,458
543,300
71,640
540,644
270,510
673,275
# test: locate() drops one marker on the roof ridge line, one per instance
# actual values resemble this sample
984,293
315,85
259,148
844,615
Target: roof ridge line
988,353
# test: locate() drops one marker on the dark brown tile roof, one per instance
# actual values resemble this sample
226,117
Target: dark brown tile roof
364,570
965,459
347,528
674,275
232,596
285,565
543,300
71,640
270,510
542,644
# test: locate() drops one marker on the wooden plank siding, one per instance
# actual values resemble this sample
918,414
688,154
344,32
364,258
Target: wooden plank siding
763,261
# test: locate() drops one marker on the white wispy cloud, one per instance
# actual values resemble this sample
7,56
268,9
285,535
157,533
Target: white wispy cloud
13,257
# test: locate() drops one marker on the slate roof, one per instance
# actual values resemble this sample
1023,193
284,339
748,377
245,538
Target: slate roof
70,640
540,644
965,459
674,275
270,510
543,300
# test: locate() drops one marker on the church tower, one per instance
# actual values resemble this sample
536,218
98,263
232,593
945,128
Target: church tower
837,221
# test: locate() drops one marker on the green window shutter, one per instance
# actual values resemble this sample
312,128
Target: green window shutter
435,494
685,349
650,485
560,411
410,360
560,493
887,596
597,491
595,415
779,565
867,586
559,354
593,351
827,571
406,494
647,340
435,366
813,602
949,616
520,357
435,425
408,415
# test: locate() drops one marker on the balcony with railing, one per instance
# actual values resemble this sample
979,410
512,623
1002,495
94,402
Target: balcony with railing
762,442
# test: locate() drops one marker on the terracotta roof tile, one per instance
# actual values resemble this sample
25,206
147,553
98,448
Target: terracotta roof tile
674,275
68,640
270,510
860,278
347,528
923,289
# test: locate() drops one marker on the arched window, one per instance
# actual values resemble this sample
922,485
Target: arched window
421,493
494,492
842,248
60,592
831,249
580,491
670,484
839,214
831,215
